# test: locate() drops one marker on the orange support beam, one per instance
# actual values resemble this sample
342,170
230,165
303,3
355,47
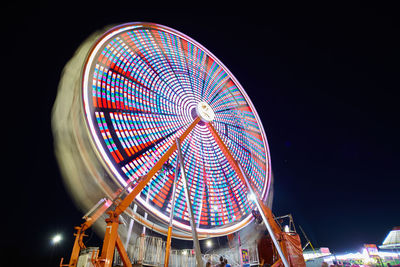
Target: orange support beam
146,179
110,237
266,213
168,247
226,152
92,219
80,233
171,217
278,263
73,261
122,253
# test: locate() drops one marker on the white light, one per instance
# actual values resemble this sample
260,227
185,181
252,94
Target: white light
209,243
205,112
57,238
251,197
286,229
184,252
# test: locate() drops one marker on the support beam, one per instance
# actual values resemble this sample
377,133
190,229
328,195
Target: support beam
122,253
277,263
80,230
132,221
110,237
196,243
168,247
106,203
139,187
266,214
264,211
226,152
112,222
171,217
240,250
145,213
73,261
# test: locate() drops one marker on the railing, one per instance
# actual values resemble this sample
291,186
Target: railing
150,251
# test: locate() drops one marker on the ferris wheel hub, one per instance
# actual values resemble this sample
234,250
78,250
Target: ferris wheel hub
205,112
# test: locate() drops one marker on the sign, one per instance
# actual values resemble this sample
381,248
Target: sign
371,249
324,250
245,257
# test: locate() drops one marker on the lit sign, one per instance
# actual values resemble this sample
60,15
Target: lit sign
372,250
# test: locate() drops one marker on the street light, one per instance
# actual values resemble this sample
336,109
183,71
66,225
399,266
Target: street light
56,239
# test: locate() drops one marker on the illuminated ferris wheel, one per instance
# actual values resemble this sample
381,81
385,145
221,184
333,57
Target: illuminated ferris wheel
148,94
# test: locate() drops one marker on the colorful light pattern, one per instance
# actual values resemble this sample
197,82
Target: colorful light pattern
140,89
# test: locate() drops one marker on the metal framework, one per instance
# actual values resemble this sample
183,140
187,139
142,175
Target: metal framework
112,239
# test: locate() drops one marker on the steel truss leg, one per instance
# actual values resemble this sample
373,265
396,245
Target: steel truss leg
265,212
112,241
110,238
131,222
122,253
196,243
80,230
139,187
267,216
73,261
171,217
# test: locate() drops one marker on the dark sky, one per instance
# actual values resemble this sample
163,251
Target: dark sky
324,80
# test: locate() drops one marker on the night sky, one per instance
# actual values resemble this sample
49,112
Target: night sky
324,80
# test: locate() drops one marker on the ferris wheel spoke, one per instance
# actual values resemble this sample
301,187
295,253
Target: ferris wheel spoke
148,146
148,61
139,187
172,69
136,112
137,59
220,89
135,134
203,86
237,127
187,67
131,80
147,56
195,61
216,82
227,153
192,163
228,95
239,146
236,107
236,203
249,134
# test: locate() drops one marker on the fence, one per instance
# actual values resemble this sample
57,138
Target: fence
150,251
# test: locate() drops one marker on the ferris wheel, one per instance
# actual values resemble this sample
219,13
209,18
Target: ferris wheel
143,85
161,115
